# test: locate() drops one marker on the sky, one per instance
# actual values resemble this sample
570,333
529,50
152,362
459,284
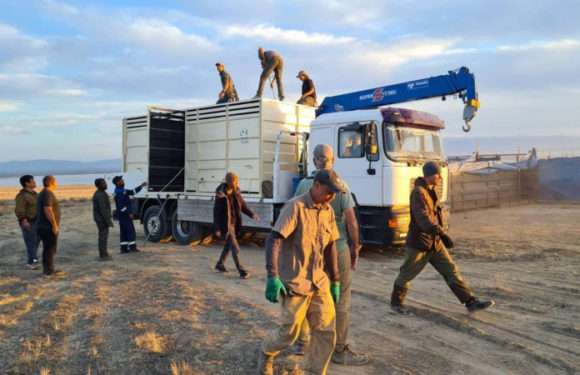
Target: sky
71,70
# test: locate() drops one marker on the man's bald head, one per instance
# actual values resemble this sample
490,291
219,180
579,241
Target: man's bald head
323,156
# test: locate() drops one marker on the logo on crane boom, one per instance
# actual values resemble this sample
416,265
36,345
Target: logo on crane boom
378,95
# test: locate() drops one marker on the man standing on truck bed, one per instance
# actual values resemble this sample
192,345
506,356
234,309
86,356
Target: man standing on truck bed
298,250
427,242
228,93
343,206
124,214
271,62
308,90
25,211
227,214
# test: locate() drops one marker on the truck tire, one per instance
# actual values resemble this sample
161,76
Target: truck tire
186,232
155,224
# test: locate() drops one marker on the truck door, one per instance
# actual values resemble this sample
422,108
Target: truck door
356,161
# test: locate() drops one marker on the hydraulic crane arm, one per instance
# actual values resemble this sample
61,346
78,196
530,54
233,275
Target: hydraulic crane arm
460,82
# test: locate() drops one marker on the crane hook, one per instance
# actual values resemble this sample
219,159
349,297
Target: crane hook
467,127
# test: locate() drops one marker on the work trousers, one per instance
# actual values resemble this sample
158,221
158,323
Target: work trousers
318,310
49,242
277,67
229,97
103,231
343,305
31,241
232,246
440,259
309,101
128,236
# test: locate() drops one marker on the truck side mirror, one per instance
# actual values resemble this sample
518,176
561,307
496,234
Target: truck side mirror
371,145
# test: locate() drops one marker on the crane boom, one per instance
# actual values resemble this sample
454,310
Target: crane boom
460,82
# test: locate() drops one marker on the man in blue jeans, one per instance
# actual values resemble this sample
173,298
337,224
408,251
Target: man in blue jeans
26,213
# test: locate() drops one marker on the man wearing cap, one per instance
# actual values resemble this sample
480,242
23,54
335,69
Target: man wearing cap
299,249
427,242
228,93
348,248
308,90
271,62
123,203
102,216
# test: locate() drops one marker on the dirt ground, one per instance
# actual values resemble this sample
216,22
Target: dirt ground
164,311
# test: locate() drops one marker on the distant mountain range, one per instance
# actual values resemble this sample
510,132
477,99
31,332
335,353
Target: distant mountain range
57,167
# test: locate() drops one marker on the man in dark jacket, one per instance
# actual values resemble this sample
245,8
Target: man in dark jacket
227,215
271,62
123,203
25,211
427,242
102,216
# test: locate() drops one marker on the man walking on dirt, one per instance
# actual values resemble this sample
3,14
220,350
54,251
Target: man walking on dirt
299,249
228,93
102,216
124,214
48,225
343,206
25,211
427,242
271,62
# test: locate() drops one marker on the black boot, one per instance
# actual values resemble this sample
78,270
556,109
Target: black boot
219,267
397,299
475,305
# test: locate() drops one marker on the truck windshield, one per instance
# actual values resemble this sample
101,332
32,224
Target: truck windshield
410,143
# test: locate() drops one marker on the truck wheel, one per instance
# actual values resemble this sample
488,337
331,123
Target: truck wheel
185,232
155,224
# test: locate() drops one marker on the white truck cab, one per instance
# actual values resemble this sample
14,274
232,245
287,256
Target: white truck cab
380,153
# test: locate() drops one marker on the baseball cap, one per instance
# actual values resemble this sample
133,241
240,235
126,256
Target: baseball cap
302,72
328,177
219,64
431,168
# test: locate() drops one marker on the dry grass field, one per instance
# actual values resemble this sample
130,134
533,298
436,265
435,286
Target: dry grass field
164,311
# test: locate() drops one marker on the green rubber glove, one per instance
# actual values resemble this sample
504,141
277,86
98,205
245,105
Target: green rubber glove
274,287
335,291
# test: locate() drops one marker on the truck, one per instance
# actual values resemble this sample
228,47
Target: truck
185,154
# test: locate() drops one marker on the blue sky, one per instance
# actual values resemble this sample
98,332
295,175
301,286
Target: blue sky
71,70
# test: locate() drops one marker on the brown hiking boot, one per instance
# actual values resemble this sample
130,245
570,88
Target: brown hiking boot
265,364
348,357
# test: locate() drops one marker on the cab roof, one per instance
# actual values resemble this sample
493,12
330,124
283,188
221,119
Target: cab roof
396,116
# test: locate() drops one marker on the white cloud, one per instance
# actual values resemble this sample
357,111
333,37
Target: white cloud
9,106
67,92
558,45
272,33
60,7
390,57
12,130
156,33
31,85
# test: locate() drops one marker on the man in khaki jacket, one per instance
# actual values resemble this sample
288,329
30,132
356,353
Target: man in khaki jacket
300,247
348,248
25,211
427,242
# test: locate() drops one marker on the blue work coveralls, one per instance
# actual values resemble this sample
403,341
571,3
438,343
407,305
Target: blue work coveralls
123,203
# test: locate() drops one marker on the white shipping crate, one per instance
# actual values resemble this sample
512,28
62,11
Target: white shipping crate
241,137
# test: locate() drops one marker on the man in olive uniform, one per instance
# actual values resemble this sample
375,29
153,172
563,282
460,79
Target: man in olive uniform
300,247
102,216
427,242
308,90
25,211
344,212
228,93
271,62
